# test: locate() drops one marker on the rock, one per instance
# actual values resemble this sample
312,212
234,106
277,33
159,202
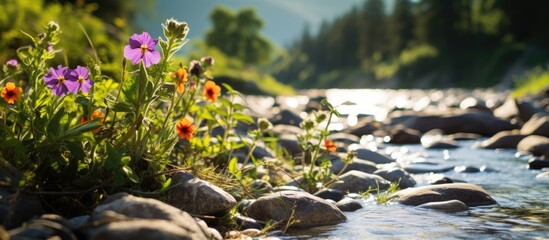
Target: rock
538,163
129,206
537,145
290,144
537,125
527,109
197,196
48,226
446,206
77,222
397,175
328,193
287,188
543,177
366,154
471,195
252,232
441,144
464,136
476,122
18,207
286,117
247,222
466,169
364,126
444,180
472,103
356,164
144,229
356,182
417,168
508,110
504,139
344,138
306,209
260,187
348,205
401,135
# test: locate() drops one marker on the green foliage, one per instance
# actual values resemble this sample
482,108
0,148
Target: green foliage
417,43
532,82
77,23
238,35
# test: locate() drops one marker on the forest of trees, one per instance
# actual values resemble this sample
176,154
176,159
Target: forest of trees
426,43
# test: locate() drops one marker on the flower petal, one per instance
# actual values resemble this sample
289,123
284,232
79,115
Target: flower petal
151,57
135,41
133,54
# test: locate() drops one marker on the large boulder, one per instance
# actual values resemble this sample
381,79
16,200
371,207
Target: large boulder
504,139
471,195
537,145
143,229
357,181
197,196
123,205
537,125
466,122
304,209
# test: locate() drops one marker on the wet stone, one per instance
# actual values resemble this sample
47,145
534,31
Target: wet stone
348,205
446,206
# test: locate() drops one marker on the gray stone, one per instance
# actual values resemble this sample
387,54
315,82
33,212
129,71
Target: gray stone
18,207
144,229
356,164
538,163
305,209
197,196
345,138
260,187
537,125
247,222
129,206
504,139
328,193
403,135
543,177
417,168
470,194
366,154
537,145
442,144
446,206
348,205
364,126
356,181
464,136
287,117
397,175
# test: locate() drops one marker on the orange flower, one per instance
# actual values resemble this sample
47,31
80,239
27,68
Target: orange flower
95,114
181,76
211,90
185,129
10,93
330,146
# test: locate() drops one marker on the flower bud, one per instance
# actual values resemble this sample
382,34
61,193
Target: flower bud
208,61
264,124
175,29
307,125
53,26
321,116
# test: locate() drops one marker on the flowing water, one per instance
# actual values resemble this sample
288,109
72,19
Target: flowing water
522,211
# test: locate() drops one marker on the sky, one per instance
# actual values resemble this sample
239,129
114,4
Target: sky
284,19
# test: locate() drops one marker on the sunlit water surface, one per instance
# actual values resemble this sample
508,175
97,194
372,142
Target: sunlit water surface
522,211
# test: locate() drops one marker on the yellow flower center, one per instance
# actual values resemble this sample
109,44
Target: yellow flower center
80,79
144,48
61,79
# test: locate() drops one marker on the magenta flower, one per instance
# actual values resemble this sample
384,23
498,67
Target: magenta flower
142,47
60,82
12,63
80,75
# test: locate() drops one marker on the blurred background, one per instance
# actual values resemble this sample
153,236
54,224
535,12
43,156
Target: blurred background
278,47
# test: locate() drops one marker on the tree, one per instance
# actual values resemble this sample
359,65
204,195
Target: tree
401,26
238,35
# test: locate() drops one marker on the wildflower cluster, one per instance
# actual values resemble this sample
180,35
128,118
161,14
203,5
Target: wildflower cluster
63,80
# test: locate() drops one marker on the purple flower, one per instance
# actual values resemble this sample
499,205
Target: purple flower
60,82
80,75
12,63
142,47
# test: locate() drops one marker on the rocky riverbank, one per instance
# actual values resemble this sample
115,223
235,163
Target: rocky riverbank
196,209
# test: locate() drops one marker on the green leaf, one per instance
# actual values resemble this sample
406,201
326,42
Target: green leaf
122,107
233,167
165,186
130,174
53,125
243,118
113,158
77,156
82,128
